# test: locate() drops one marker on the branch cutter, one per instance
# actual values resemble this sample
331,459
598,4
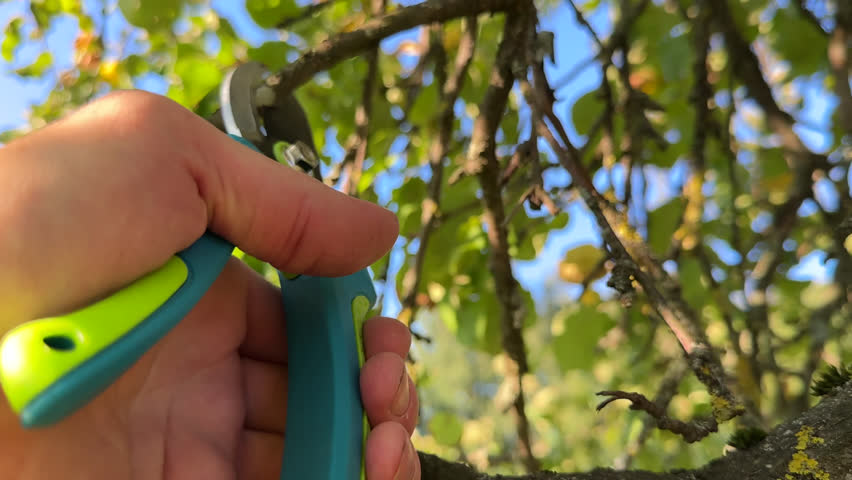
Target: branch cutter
51,367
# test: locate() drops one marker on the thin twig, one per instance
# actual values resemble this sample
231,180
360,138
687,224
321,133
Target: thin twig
676,371
690,431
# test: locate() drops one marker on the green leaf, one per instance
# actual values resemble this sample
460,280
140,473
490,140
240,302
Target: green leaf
580,262
151,14
227,42
198,76
409,197
796,40
676,58
136,65
424,108
662,224
71,6
446,428
272,54
479,322
409,220
586,110
11,38
771,162
413,190
817,295
44,10
577,334
269,13
830,379
534,233
746,15
38,67
775,177
693,285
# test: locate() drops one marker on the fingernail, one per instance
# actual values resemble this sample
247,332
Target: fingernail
406,464
400,399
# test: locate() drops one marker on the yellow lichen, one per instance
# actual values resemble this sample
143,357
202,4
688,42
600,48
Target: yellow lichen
802,465
723,409
806,438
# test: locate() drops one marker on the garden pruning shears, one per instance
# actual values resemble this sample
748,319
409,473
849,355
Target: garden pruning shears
51,367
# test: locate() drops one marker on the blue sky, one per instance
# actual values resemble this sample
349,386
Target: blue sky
573,48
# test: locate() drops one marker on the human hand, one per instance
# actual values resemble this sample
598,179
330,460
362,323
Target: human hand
109,193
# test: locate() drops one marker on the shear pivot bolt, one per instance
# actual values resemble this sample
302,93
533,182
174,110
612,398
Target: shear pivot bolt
300,155
264,96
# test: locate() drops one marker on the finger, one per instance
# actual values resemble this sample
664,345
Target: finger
387,391
265,337
382,334
260,455
288,218
265,387
390,454
142,178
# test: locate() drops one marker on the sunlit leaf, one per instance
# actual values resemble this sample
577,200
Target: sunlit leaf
796,40
38,67
272,54
446,427
662,223
11,38
198,76
575,345
269,13
151,14
580,263
586,110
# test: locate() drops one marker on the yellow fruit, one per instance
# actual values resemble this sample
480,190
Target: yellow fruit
109,72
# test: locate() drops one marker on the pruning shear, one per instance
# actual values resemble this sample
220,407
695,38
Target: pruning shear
51,367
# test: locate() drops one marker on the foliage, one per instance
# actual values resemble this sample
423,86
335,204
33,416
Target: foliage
830,379
746,438
744,242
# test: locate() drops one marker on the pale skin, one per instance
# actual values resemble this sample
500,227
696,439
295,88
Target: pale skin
93,201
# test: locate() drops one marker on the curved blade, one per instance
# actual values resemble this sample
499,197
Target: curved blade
237,100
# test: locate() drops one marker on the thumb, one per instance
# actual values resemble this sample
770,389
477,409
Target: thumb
109,193
286,217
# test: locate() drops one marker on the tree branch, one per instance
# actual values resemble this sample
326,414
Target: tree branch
746,66
482,161
625,246
357,153
690,431
675,373
451,88
346,45
841,64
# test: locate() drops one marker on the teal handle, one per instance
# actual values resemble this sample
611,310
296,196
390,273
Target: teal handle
326,426
65,350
